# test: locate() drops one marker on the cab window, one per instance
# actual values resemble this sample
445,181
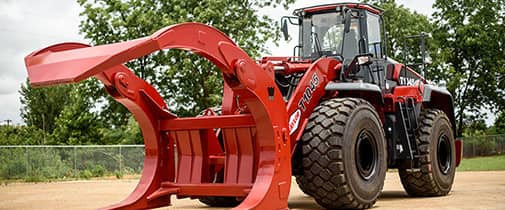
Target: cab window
374,35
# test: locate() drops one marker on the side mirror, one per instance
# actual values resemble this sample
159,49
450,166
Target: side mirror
357,63
363,60
347,20
284,29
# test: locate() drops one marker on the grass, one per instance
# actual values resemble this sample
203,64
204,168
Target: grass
491,163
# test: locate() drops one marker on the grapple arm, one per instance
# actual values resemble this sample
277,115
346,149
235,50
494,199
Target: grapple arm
256,164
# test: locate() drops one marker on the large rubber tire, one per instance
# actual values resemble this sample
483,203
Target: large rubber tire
344,154
437,158
304,184
219,201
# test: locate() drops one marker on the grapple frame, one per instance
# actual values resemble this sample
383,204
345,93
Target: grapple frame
257,143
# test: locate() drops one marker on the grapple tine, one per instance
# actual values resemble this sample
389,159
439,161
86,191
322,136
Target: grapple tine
73,62
256,160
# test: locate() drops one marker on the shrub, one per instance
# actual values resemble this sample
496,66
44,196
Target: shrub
86,174
98,171
119,174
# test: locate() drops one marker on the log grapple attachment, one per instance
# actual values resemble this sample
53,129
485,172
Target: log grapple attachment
336,116
183,155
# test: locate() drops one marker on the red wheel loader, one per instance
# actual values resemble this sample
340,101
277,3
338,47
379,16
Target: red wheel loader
336,116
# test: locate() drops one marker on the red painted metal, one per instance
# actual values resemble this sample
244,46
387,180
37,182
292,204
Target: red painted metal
400,93
349,5
397,71
226,121
308,93
459,151
309,90
257,165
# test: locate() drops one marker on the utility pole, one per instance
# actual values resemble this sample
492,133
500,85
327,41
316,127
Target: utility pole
44,129
8,121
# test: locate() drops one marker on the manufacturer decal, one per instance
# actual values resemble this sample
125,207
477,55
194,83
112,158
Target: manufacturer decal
294,121
295,118
307,95
407,81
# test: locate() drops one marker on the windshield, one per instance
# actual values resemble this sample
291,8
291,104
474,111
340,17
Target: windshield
322,34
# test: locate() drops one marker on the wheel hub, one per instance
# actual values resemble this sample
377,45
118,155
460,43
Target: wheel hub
366,155
444,154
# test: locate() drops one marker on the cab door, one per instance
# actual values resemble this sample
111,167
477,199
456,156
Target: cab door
375,45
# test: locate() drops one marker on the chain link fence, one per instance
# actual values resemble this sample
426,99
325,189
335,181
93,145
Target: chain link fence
483,145
35,163
47,162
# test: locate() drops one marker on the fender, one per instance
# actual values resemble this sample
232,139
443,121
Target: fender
440,98
371,92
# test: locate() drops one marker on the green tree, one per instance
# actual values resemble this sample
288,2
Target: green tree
476,126
471,38
125,134
188,82
76,124
22,135
401,23
41,106
499,124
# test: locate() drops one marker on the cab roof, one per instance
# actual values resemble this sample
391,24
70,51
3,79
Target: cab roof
325,7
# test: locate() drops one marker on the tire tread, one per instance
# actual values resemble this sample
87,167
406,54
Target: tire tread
328,121
422,183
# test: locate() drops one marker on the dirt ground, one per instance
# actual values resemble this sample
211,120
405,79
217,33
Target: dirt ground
472,190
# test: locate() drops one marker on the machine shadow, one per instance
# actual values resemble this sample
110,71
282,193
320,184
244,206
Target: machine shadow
393,195
308,203
302,202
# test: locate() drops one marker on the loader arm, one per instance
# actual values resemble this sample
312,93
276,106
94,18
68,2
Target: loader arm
256,164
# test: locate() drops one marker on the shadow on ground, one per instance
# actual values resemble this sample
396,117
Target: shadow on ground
307,202
393,195
302,202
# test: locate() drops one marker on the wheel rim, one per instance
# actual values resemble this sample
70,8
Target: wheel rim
366,155
444,154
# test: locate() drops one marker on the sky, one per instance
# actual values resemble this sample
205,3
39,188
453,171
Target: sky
27,25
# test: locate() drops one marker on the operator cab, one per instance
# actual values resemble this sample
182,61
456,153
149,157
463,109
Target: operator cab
349,32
